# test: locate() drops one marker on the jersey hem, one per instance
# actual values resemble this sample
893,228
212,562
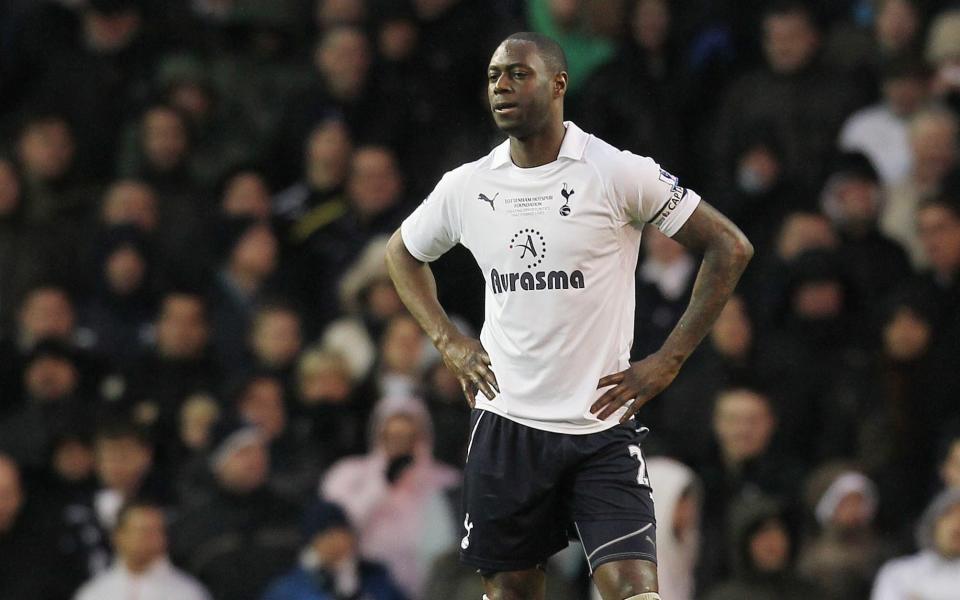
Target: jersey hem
554,427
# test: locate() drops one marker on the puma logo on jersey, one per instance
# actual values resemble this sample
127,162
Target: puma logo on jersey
489,200
465,542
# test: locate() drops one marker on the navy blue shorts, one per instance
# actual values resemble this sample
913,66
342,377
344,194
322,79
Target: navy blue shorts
527,491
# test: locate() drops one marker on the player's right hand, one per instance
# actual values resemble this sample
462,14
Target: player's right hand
469,362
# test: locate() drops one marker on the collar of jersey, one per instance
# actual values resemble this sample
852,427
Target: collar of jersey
574,142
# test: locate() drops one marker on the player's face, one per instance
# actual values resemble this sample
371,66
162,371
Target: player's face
520,88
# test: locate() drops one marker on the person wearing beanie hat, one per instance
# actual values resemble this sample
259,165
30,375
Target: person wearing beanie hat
845,553
933,573
852,199
243,534
329,566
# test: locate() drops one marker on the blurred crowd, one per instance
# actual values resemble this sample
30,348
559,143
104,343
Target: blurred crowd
210,389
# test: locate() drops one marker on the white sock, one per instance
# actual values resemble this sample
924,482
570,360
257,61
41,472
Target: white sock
647,596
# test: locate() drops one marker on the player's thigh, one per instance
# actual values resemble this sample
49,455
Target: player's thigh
621,579
529,584
611,502
513,515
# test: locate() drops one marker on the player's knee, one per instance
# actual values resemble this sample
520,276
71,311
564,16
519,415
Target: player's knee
515,585
627,580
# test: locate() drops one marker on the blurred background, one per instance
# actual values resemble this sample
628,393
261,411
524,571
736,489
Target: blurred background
209,388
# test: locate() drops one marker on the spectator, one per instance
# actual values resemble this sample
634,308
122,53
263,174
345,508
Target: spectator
933,142
248,265
179,362
852,199
569,24
934,572
881,131
897,431
762,551
46,152
345,87
450,413
52,404
394,495
244,534
123,459
403,352
682,420
329,566
796,98
816,357
319,196
895,31
766,286
744,425
761,195
245,192
162,155
327,407
635,101
664,282
943,53
131,202
295,461
375,192
141,568
103,68
938,225
122,303
276,340
190,452
19,260
368,298
45,311
844,555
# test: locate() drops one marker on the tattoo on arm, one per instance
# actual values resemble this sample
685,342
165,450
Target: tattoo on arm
726,252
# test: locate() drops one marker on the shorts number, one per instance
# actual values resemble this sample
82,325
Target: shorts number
642,478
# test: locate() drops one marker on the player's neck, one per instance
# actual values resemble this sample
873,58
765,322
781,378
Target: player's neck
538,149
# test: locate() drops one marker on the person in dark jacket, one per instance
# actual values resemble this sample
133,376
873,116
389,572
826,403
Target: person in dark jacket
330,567
244,534
762,552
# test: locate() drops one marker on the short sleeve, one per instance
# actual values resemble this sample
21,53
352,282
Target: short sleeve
434,227
649,194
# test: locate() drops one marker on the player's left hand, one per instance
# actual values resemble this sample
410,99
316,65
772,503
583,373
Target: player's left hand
642,381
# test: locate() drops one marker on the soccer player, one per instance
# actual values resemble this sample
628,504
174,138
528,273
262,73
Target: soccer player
553,216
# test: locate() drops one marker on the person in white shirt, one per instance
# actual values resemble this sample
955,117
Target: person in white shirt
141,569
881,131
934,572
553,217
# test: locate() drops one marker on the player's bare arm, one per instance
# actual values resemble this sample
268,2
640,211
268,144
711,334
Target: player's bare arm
462,354
726,252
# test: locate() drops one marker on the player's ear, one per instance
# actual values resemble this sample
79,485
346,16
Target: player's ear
560,84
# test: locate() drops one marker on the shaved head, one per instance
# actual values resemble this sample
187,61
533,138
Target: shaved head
549,50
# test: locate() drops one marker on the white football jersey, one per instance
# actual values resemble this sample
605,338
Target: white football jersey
557,245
